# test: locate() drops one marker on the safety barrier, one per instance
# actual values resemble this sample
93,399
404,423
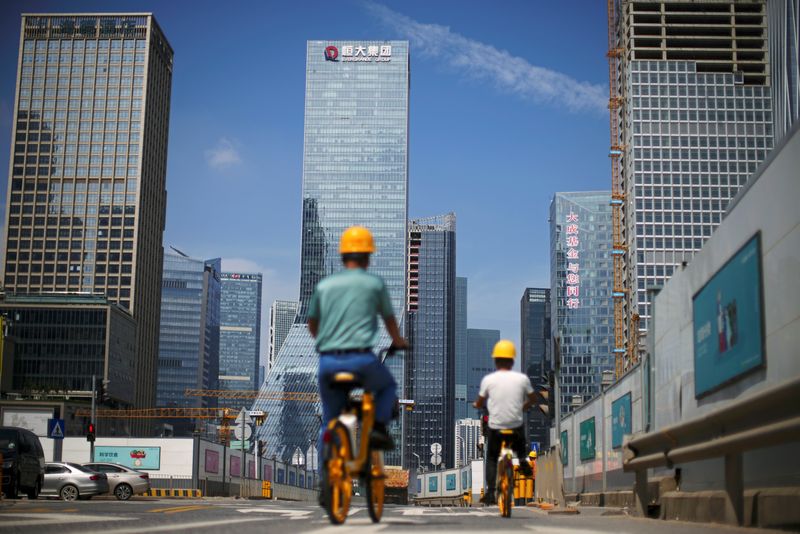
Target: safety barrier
464,500
770,417
550,477
184,493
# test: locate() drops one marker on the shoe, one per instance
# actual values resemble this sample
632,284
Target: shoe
380,439
489,498
525,469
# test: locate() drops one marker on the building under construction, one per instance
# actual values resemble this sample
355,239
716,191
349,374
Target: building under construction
691,119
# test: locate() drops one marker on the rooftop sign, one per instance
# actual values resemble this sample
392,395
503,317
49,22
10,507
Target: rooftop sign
361,53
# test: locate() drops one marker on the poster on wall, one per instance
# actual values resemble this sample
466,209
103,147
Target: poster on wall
235,467
564,448
587,439
728,321
212,461
450,482
433,484
34,420
142,458
464,480
621,415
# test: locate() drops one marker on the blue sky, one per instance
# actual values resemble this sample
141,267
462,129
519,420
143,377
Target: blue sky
507,107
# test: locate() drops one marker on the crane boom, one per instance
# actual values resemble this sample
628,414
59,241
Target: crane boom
297,396
162,413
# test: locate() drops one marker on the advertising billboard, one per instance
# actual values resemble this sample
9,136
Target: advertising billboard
621,411
587,439
140,458
564,448
212,461
433,484
728,321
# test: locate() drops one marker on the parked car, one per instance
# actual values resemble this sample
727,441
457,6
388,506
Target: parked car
123,481
69,481
23,462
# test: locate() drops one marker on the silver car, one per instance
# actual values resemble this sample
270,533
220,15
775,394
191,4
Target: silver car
69,481
123,481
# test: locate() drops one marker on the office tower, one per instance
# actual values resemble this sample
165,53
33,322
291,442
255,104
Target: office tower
535,355
784,63
87,190
468,437
281,318
239,334
480,343
582,317
355,171
462,409
430,330
693,111
190,330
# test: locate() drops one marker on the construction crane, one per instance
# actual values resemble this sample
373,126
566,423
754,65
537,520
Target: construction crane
253,394
161,413
619,249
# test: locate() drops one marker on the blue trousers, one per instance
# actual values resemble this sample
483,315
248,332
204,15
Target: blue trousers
373,375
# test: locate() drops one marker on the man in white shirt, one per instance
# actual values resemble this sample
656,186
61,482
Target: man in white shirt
507,394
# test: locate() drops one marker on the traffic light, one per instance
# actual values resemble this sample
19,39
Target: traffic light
90,433
545,393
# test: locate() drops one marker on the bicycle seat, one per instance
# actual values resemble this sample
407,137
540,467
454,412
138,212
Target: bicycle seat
345,380
506,432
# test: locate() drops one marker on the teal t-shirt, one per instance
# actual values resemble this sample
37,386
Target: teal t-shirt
347,305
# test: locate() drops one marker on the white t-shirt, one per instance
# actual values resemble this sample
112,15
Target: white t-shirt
506,392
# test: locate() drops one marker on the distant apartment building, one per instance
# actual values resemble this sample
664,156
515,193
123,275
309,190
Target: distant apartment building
281,319
468,438
239,335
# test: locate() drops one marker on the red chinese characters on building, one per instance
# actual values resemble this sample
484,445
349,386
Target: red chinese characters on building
573,279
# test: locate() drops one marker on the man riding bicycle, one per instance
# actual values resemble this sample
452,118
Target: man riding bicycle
509,395
342,316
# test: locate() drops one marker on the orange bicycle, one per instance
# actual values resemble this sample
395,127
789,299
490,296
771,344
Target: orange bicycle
505,476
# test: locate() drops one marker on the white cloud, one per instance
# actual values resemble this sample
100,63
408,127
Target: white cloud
482,61
223,155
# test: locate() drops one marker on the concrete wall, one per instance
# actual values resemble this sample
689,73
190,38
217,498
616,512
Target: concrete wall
176,453
770,205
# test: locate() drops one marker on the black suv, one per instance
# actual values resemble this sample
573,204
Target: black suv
23,462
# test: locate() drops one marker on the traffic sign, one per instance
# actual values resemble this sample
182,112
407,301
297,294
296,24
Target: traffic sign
55,428
436,448
436,459
243,417
238,431
535,446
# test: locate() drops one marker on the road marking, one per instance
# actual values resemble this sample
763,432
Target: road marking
420,511
179,509
44,510
283,512
364,525
53,519
187,527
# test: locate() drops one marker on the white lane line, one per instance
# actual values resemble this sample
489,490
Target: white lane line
437,512
283,512
359,524
188,527
50,519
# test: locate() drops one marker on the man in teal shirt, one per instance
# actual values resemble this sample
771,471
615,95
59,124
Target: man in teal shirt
343,318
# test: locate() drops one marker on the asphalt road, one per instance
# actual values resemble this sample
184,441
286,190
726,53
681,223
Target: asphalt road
142,515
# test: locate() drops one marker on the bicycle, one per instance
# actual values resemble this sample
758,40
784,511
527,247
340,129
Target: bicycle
505,476
342,461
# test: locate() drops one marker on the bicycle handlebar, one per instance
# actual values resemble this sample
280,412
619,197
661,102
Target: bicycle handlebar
388,351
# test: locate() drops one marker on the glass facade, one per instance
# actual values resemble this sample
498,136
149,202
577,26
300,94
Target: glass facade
467,438
87,188
355,171
239,334
784,57
462,403
581,279
480,343
535,355
430,330
190,331
281,318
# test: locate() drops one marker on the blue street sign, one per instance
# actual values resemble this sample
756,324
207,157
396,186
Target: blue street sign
535,446
55,428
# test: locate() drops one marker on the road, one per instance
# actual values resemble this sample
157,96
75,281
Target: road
243,517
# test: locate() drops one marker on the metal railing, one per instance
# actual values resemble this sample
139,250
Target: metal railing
767,418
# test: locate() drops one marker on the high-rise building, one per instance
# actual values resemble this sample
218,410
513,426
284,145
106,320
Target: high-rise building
535,355
239,334
468,436
87,188
581,278
281,319
462,409
695,120
190,330
480,343
355,171
430,329
784,63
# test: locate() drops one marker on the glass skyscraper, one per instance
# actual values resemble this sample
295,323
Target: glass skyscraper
480,343
581,279
87,187
784,62
535,355
462,409
430,329
355,171
188,355
281,318
239,334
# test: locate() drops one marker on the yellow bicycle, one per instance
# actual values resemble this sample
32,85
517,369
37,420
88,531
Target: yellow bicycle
505,476
346,455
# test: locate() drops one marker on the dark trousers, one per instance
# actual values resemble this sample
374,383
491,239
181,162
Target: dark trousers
495,438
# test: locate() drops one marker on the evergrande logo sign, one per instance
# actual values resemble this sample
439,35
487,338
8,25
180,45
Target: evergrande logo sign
367,54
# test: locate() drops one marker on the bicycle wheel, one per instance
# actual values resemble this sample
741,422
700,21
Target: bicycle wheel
337,484
505,487
375,485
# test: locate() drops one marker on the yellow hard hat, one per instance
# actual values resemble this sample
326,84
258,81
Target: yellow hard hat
504,349
532,454
356,240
